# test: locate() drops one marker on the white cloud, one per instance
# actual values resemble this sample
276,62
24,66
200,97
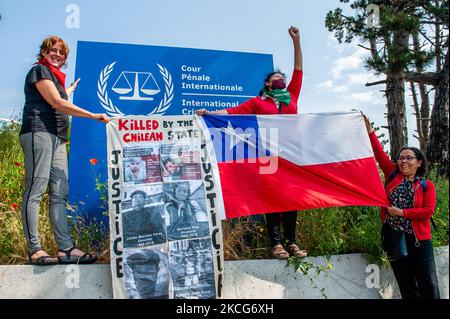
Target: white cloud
363,78
371,97
350,62
329,86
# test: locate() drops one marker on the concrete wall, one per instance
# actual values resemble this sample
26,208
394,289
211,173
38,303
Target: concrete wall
352,276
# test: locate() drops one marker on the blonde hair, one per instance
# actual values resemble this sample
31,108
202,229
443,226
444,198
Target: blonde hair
49,42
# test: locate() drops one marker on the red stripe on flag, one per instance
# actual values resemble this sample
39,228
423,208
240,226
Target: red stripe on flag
350,183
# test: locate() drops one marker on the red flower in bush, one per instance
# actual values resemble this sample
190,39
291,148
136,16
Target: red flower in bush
93,161
17,164
14,206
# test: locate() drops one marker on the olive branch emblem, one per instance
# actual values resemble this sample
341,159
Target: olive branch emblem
113,110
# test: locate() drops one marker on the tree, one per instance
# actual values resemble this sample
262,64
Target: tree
437,150
389,50
396,51
422,111
435,13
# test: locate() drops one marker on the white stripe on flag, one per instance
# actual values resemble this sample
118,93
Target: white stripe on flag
317,138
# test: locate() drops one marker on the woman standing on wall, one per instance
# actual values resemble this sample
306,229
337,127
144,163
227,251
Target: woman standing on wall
43,137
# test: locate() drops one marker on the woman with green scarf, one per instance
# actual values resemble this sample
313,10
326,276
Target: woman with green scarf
276,98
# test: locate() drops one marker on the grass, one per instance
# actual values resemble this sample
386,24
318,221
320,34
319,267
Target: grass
13,246
323,232
440,217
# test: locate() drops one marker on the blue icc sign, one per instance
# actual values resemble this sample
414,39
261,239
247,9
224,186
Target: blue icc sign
125,79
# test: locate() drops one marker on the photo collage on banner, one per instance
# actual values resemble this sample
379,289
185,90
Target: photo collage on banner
141,164
163,229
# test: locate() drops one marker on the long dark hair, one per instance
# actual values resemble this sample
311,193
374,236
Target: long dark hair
267,78
422,169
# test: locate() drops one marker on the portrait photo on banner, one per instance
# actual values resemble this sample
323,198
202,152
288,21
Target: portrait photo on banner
180,161
191,268
185,208
143,222
142,164
146,273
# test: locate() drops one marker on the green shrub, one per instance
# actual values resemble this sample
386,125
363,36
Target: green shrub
13,246
440,217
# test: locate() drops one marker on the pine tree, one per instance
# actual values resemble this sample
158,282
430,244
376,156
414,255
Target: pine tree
400,22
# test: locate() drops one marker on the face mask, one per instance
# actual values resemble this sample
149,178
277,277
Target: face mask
278,84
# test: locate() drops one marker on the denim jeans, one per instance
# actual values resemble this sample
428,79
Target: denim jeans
45,161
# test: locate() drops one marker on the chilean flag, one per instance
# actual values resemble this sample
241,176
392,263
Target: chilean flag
277,163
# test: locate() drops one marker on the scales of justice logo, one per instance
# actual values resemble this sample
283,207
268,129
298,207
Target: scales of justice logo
132,86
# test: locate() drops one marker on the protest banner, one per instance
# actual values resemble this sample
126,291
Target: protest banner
166,239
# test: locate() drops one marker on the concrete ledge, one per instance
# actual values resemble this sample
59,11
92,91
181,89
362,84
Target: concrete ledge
351,277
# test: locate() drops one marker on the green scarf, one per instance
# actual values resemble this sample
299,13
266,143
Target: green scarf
282,96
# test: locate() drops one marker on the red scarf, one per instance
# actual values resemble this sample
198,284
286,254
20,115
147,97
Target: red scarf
60,76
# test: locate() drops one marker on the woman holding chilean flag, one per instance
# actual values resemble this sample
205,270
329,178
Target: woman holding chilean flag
406,230
276,98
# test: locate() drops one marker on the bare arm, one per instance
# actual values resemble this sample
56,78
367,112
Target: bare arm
368,124
72,87
298,57
49,92
204,112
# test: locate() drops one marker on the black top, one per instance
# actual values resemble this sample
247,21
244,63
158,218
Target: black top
38,115
402,197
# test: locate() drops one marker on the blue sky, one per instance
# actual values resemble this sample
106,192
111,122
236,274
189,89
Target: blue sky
334,75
